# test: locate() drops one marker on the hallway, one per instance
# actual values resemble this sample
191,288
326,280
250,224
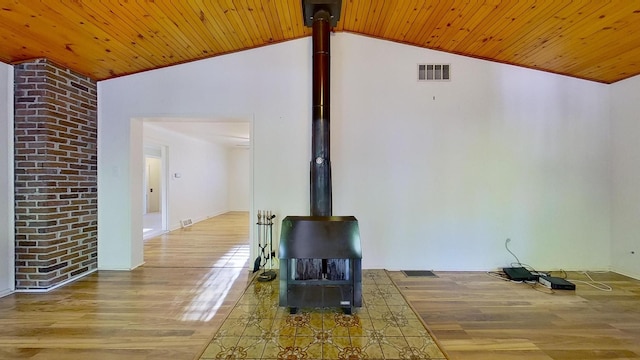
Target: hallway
152,225
219,242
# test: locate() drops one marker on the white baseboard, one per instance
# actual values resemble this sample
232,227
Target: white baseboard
34,291
634,276
195,220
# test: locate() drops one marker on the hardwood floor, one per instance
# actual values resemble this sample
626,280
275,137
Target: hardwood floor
167,309
218,242
172,306
475,316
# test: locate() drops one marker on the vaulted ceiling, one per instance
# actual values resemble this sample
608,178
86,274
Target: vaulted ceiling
596,40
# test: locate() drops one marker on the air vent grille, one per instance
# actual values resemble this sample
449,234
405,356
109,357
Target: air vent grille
434,72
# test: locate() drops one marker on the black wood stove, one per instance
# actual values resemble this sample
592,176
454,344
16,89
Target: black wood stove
320,255
320,262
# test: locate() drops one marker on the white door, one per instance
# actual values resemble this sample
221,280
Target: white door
153,186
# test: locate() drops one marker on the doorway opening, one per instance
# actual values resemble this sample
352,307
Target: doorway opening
154,221
207,171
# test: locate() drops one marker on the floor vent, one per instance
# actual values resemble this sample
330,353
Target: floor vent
434,72
186,223
418,273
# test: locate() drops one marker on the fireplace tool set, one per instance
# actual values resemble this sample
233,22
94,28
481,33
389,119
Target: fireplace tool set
265,246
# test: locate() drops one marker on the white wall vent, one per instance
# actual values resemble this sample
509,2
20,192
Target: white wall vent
186,222
434,72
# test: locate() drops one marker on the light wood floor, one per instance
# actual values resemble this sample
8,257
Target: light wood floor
172,306
167,309
475,316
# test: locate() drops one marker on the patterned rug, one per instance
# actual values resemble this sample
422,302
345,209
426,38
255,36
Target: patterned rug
384,328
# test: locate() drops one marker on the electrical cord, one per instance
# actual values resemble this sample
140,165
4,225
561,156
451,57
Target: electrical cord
506,246
519,263
594,284
543,289
534,284
498,275
564,274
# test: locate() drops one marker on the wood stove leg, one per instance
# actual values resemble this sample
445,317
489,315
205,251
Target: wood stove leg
293,310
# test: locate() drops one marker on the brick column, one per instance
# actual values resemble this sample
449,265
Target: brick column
55,174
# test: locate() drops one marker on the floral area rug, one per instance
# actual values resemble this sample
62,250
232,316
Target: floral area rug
385,327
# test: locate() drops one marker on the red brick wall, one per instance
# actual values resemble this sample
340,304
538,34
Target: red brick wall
55,174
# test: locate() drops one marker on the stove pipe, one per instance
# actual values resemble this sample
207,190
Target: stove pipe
320,140
320,255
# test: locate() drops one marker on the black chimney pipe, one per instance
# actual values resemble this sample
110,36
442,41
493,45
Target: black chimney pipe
321,199
320,254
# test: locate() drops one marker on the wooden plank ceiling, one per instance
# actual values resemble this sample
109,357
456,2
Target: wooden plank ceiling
596,40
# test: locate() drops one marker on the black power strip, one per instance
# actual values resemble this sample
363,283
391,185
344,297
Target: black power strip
556,283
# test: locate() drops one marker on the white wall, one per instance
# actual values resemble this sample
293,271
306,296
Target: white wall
201,191
625,198
439,175
239,179
7,282
276,96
